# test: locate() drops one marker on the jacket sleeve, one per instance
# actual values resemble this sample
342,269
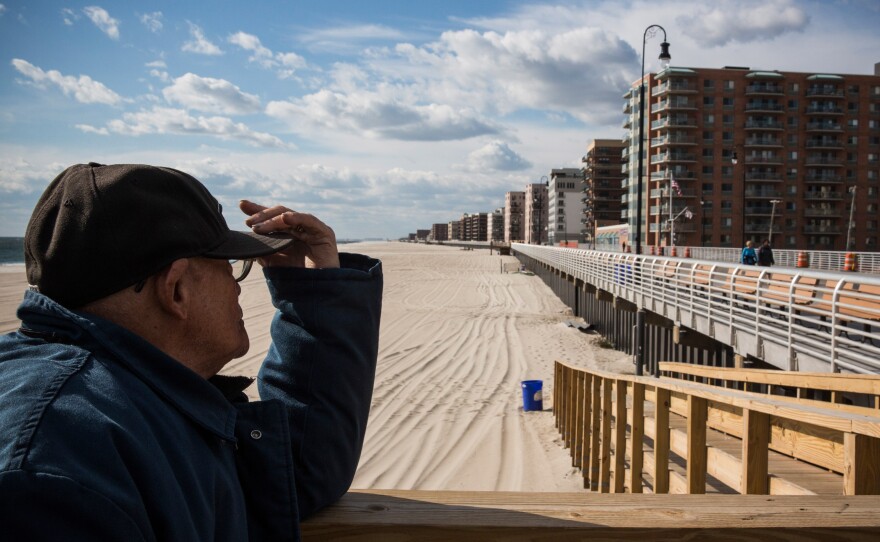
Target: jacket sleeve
38,507
321,365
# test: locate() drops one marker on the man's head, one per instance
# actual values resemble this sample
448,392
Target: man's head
99,229
766,243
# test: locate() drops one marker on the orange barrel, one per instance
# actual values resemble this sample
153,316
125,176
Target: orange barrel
687,252
652,250
672,252
803,260
850,262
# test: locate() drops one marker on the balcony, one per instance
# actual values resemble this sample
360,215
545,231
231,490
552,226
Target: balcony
763,142
814,228
764,159
672,157
771,107
826,126
673,87
830,91
824,110
757,227
764,88
824,143
819,211
822,195
679,122
823,178
764,125
764,176
762,193
813,160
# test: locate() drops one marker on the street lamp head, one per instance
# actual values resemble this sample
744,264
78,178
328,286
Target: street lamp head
733,158
665,57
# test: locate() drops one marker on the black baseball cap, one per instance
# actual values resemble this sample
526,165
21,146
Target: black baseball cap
98,229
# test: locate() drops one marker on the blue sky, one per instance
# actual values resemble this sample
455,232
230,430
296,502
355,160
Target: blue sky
378,117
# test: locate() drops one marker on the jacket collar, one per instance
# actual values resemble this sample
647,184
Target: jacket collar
192,395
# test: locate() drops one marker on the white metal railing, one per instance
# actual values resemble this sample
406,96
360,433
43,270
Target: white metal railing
793,318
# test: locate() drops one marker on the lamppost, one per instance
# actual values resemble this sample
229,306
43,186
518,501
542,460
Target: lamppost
772,216
734,160
852,206
664,57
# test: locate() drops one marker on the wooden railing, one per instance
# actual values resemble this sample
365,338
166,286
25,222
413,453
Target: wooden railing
489,516
856,390
604,420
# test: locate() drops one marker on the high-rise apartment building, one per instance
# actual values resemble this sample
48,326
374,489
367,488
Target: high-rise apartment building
514,207
734,154
440,232
495,225
535,215
564,206
602,189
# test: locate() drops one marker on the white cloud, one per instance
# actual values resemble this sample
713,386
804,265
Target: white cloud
83,88
496,156
726,22
2,9
285,63
199,43
164,120
103,21
348,39
156,64
153,21
211,95
89,129
581,71
161,75
382,116
69,16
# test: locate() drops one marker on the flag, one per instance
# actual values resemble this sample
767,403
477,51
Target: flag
674,185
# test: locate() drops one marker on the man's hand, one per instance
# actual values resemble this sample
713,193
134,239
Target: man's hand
315,244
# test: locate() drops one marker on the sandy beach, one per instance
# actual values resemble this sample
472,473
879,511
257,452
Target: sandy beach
458,336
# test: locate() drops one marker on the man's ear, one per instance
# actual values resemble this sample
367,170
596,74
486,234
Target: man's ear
174,289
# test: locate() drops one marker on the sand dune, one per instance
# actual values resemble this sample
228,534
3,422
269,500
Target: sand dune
457,338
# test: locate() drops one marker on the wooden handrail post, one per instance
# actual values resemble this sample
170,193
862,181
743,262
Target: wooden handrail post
605,459
698,411
558,372
596,426
620,387
571,410
637,438
661,440
587,429
755,449
861,464
577,425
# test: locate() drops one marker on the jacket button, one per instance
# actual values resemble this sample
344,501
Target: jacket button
256,434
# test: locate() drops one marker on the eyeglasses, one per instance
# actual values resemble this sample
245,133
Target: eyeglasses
241,268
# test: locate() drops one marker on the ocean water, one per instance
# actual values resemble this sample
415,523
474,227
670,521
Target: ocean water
11,250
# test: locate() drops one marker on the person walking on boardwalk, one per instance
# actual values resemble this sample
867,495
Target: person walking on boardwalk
765,254
748,256
114,421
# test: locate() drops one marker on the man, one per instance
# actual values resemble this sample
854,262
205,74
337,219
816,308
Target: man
114,424
765,254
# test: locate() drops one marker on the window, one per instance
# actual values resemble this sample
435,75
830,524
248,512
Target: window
708,152
852,140
792,104
727,136
790,206
708,170
708,135
728,85
852,107
708,120
708,84
792,122
853,123
792,155
794,88
853,89
727,119
726,188
791,173
792,190
709,100
726,205
792,139
727,102
726,222
727,171
707,188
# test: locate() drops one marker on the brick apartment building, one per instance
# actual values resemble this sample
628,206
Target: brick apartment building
602,189
535,214
514,207
755,149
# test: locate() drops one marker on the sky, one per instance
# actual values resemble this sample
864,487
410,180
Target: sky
379,117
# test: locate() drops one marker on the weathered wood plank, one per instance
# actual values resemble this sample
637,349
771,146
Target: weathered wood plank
490,516
861,474
755,446
596,426
605,459
696,445
619,436
661,441
636,441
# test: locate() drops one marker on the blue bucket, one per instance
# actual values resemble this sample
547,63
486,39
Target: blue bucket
533,398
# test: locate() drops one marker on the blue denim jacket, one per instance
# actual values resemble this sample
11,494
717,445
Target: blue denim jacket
104,437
